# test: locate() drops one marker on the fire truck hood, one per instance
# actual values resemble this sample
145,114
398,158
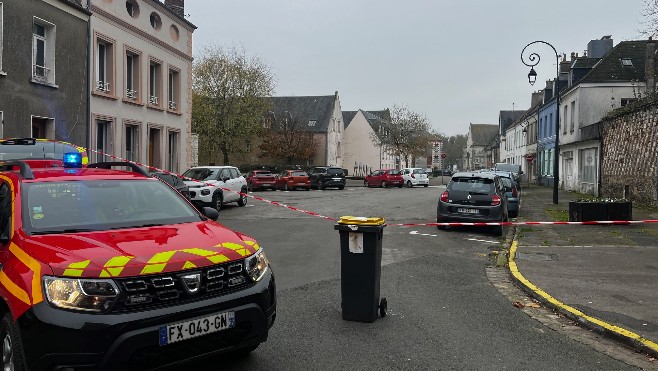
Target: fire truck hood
140,251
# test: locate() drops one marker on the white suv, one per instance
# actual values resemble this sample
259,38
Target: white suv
414,176
216,185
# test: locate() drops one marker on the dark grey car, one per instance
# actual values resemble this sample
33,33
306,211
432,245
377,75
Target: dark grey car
327,176
473,197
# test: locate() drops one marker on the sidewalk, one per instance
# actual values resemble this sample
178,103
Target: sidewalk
603,276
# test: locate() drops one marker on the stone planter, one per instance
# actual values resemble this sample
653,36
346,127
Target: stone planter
597,211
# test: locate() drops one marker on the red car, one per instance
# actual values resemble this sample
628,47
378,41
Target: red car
384,178
260,179
292,179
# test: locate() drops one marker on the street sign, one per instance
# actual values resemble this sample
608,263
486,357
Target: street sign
443,155
529,158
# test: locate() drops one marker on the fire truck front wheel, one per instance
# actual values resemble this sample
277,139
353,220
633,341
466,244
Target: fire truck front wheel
12,351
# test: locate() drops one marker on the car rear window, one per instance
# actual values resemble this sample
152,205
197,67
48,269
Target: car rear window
299,173
335,172
394,172
507,182
480,185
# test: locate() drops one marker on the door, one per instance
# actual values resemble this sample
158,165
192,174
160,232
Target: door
568,174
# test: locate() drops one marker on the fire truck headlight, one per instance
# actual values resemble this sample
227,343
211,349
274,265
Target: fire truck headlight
91,295
256,265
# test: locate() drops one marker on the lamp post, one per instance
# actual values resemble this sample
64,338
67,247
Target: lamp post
533,59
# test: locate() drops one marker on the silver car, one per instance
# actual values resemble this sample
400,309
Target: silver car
215,186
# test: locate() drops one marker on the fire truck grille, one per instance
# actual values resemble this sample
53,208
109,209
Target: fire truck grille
138,293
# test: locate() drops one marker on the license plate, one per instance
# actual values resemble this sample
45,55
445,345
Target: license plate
336,179
196,327
267,185
467,211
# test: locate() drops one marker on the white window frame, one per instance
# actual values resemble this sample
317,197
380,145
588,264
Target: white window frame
48,51
173,88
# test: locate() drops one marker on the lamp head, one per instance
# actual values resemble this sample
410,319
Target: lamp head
532,76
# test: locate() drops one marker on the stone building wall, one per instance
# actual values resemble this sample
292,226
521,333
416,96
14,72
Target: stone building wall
629,165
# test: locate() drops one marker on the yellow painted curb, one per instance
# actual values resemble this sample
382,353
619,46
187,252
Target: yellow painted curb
563,307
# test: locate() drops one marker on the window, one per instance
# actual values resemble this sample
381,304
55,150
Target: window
588,165
132,8
627,101
104,65
155,83
103,139
2,126
626,62
43,51
131,142
173,149
572,119
564,120
155,145
1,42
6,196
551,125
156,23
132,75
173,89
43,127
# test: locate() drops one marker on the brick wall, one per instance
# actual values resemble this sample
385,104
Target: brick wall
630,155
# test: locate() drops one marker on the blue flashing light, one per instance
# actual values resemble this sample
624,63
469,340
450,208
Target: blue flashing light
73,159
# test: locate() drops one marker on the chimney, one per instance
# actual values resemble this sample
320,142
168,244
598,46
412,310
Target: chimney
176,6
565,65
599,48
649,70
537,97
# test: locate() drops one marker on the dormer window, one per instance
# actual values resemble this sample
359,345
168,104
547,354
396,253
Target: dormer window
626,62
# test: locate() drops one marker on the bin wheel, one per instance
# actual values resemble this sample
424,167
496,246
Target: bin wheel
383,306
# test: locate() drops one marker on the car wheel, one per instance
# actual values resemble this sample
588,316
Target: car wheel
243,197
399,185
250,188
244,352
12,353
308,188
440,227
500,230
513,214
365,184
383,184
285,187
320,185
425,185
341,187
409,184
217,201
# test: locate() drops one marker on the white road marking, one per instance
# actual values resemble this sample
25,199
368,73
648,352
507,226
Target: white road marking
416,233
476,240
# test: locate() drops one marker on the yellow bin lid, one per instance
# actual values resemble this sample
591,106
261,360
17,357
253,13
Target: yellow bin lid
361,220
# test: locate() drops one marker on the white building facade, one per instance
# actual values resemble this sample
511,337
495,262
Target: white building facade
141,82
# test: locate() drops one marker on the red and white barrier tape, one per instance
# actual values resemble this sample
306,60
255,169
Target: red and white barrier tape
447,224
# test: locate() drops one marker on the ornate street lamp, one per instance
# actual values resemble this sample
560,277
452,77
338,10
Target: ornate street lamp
533,59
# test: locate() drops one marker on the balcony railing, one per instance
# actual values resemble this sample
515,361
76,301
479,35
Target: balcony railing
172,105
131,94
41,73
153,100
103,86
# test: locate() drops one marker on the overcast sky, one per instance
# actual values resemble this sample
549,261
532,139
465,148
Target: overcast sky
456,62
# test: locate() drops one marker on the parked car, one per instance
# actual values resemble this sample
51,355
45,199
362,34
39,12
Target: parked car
174,181
215,186
292,179
259,180
414,176
473,197
511,191
384,178
327,176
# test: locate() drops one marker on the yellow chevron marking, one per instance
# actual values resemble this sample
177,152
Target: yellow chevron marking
115,266
158,262
35,266
189,265
14,289
200,252
218,258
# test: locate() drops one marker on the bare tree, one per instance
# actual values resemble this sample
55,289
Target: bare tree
228,102
287,141
406,135
650,22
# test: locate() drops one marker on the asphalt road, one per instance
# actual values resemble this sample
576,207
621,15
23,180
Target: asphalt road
443,312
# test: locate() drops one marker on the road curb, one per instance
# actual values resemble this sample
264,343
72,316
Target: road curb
615,332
